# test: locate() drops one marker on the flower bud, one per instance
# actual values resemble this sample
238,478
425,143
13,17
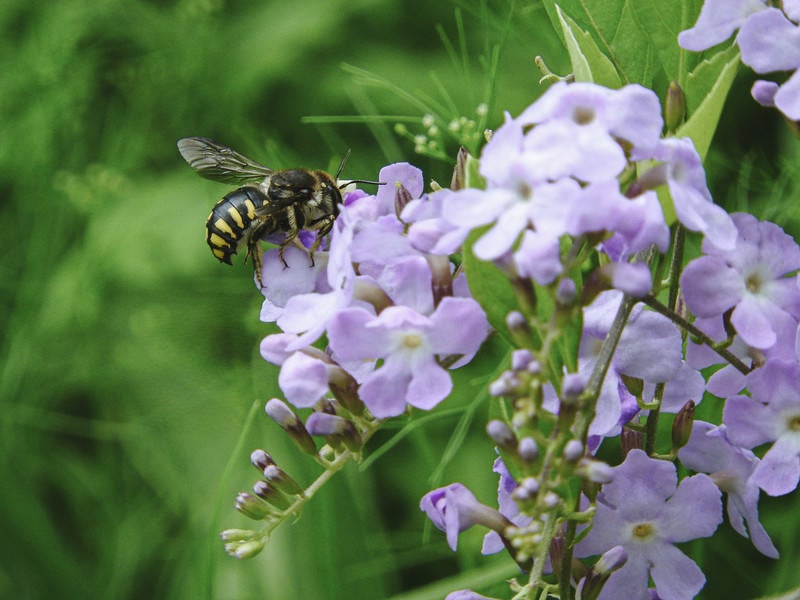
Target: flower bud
502,436
442,277
245,549
566,293
527,450
674,107
260,459
459,179
401,198
280,413
338,428
271,495
631,440
682,426
251,506
613,559
594,470
520,359
345,389
278,478
573,450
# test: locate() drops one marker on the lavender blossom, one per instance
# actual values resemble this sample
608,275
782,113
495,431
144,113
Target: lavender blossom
750,278
771,414
454,508
730,467
771,42
718,20
408,343
646,512
492,542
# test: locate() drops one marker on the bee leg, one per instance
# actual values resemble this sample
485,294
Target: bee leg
254,251
291,234
323,226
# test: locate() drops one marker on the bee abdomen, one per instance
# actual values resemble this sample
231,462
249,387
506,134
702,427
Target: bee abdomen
231,221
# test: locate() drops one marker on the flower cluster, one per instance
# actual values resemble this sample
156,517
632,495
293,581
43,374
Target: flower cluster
557,170
768,38
393,315
556,177
578,208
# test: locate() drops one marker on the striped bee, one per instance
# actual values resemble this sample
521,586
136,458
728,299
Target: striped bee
269,202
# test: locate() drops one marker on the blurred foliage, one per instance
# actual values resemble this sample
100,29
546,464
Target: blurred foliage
132,389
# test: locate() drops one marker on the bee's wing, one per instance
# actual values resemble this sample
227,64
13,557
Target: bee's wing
220,163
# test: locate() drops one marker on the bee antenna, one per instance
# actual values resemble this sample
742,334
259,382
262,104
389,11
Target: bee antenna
343,163
349,181
341,168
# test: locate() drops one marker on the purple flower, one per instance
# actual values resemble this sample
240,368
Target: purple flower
682,171
771,42
768,40
578,126
771,414
408,343
750,278
730,467
492,542
466,595
281,283
717,21
454,508
647,334
645,512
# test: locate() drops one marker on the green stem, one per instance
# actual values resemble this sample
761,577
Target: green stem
657,306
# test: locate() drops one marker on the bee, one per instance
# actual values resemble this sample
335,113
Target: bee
268,201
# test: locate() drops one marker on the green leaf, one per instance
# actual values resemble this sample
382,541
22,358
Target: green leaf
662,22
612,26
489,286
588,62
719,73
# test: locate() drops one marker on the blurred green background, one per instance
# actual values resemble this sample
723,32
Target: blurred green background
130,367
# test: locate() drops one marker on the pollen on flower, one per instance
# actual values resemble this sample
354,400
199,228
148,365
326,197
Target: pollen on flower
753,283
643,531
412,340
793,423
583,115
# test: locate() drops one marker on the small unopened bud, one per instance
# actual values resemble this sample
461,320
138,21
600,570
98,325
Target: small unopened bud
251,506
613,559
516,320
520,359
237,535
594,470
571,388
441,277
566,292
401,198
271,495
573,450
551,500
527,450
280,413
260,459
674,107
682,426
325,424
631,440
278,478
459,179
345,389
502,435
243,543
242,550
519,329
